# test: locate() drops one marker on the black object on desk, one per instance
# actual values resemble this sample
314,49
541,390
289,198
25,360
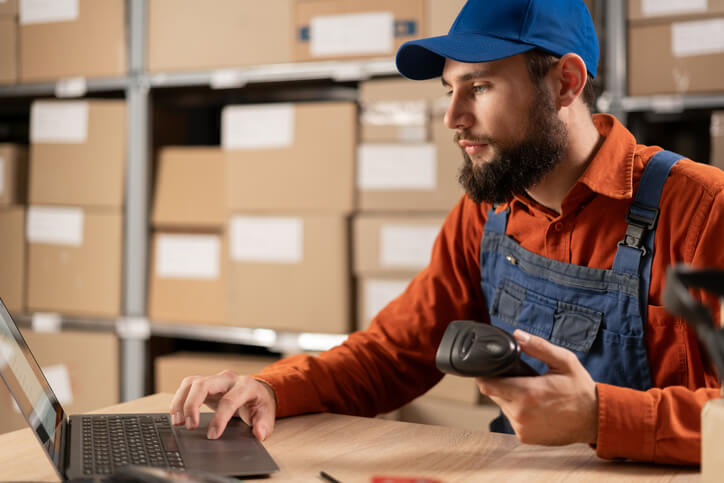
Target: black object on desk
476,349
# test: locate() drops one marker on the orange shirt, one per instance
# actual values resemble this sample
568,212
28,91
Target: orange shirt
393,362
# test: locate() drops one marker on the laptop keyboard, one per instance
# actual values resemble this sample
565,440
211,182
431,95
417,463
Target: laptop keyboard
111,442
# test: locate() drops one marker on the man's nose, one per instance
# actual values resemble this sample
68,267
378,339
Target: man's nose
457,115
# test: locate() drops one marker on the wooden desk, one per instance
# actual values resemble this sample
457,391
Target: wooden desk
352,449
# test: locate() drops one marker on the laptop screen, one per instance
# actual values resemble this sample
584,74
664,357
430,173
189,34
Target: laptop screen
29,388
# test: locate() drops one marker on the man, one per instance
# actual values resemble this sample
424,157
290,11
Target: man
560,234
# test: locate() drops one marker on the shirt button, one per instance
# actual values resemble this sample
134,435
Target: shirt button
558,226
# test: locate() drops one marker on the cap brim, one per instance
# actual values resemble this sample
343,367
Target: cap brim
425,58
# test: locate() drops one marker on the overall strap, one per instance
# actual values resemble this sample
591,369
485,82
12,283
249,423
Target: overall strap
497,222
638,243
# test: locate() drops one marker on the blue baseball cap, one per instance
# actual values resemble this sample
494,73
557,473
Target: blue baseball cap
487,30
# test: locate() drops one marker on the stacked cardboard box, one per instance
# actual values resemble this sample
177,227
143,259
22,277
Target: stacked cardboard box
13,184
203,34
75,221
187,277
290,189
8,41
82,368
675,47
171,369
74,38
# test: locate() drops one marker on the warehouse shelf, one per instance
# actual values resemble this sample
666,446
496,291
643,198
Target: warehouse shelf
75,87
50,322
237,77
672,103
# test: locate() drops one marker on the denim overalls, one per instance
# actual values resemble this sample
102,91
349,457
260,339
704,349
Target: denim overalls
598,314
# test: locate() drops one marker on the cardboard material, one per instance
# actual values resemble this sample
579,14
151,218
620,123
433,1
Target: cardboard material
13,174
69,168
190,189
717,139
441,15
191,285
171,369
309,295
84,280
394,244
397,110
312,173
346,29
82,368
439,193
680,57
375,292
93,45
197,34
8,50
640,11
12,258
9,8
712,438
441,412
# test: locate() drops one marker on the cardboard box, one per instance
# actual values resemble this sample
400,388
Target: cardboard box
441,412
171,369
8,50
187,278
83,39
190,189
78,153
397,110
290,157
13,174
679,57
198,34
394,244
374,293
410,178
290,273
345,29
717,139
441,15
640,11
74,261
9,8
82,368
12,258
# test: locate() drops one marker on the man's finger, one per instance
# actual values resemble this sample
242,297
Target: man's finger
557,358
177,403
200,389
262,422
507,388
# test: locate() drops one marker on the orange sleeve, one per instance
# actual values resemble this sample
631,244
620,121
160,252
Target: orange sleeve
384,367
663,425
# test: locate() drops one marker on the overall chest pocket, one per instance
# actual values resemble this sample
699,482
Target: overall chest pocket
568,325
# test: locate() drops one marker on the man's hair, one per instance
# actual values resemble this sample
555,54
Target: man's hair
540,62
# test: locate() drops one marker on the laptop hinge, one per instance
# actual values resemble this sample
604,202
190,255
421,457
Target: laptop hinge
64,446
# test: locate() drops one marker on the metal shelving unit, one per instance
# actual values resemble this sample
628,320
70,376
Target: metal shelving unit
134,329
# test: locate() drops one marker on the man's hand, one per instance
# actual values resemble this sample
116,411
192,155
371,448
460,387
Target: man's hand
227,393
557,408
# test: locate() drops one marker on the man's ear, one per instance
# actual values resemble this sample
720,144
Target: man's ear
570,78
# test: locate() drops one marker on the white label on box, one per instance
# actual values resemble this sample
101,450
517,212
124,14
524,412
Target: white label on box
59,122
352,34
71,87
257,126
188,256
59,380
55,225
700,37
407,246
379,293
2,175
44,11
412,134
411,113
653,8
396,167
262,239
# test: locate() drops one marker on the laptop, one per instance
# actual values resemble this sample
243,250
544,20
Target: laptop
93,446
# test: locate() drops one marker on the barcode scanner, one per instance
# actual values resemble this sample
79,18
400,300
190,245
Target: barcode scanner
476,349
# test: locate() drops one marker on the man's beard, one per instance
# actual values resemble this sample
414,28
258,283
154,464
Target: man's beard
517,165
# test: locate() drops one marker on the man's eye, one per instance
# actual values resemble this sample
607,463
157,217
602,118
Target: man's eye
481,88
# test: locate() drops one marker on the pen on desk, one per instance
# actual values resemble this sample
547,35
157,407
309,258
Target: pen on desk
329,477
